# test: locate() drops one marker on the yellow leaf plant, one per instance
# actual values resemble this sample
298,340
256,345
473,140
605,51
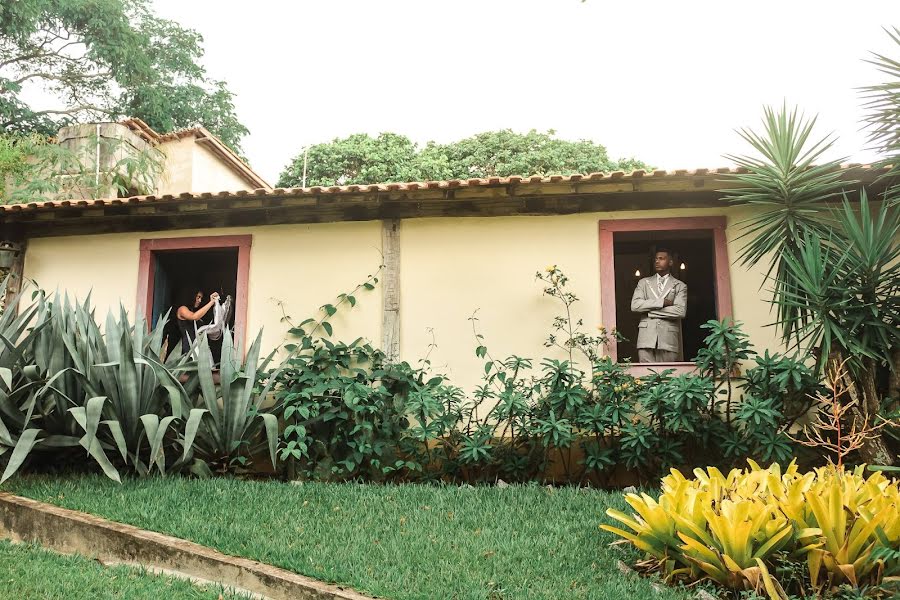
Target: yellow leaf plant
731,528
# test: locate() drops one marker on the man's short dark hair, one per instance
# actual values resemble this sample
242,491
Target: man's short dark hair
667,251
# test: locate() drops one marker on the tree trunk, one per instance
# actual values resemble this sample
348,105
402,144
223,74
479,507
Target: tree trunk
864,392
894,385
876,452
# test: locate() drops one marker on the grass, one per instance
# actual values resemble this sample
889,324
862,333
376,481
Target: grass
28,571
400,542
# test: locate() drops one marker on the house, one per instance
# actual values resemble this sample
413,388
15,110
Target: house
450,248
193,160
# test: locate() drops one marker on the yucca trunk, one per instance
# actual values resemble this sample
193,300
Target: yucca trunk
863,390
894,386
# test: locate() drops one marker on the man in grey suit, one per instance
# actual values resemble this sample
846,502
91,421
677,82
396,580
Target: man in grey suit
662,300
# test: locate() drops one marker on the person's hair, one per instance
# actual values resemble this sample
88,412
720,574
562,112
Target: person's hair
667,251
187,296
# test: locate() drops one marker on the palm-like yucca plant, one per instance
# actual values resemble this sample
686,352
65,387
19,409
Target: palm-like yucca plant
834,273
849,295
850,285
883,104
789,189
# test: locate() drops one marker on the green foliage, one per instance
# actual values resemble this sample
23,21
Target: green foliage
67,384
230,425
789,183
749,529
882,102
349,412
361,159
505,152
108,392
835,273
34,169
358,158
335,411
106,59
850,282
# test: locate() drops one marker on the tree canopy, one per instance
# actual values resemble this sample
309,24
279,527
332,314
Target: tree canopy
361,158
103,60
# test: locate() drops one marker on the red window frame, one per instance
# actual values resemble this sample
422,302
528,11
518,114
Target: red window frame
722,283
146,272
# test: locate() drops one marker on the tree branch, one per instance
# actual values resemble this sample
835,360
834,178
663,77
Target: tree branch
50,55
71,76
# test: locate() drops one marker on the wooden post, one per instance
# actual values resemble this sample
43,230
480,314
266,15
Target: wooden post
14,285
390,287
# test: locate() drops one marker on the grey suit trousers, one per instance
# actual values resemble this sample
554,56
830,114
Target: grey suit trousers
655,355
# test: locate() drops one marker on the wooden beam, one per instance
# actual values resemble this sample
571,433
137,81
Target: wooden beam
390,288
16,273
166,216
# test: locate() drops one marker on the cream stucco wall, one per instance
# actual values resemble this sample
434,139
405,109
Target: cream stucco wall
450,267
209,173
177,175
191,167
302,266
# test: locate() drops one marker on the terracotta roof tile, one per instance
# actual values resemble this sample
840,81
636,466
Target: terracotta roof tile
411,186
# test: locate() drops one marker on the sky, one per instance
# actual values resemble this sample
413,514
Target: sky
666,82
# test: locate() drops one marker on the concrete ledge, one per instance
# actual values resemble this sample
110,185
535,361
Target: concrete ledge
70,532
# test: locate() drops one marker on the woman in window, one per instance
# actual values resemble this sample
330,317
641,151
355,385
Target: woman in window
189,313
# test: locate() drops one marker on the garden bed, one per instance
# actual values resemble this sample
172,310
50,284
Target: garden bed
399,542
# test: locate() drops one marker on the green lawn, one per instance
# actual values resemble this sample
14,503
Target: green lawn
31,572
400,542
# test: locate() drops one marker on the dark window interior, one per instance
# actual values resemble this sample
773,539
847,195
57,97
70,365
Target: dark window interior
179,274
634,252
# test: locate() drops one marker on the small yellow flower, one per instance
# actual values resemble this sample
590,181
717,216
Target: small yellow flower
551,268
601,327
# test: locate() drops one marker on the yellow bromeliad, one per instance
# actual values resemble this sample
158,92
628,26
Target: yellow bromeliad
727,527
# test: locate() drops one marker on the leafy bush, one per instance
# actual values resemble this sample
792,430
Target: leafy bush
347,411
332,410
742,528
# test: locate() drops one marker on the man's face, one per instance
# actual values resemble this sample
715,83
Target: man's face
662,263
198,299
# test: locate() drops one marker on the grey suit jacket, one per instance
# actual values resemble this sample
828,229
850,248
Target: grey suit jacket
660,326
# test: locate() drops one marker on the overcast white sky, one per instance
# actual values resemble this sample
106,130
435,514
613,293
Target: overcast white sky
661,80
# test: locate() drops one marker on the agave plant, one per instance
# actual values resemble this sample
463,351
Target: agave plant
135,400
21,383
109,392
233,420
